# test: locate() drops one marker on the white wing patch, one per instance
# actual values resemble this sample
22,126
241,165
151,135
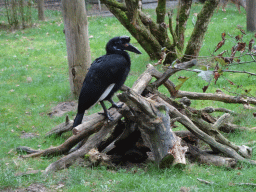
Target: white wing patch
106,92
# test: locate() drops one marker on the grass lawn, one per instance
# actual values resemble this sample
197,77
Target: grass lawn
34,79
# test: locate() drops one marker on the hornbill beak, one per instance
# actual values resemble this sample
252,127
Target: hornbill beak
130,47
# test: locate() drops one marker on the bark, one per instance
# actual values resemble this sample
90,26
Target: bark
251,15
154,124
171,70
205,158
77,40
61,128
193,95
196,40
187,137
181,22
212,130
40,4
93,142
216,97
89,128
153,35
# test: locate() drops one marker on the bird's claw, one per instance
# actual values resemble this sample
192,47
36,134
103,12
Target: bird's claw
107,116
118,106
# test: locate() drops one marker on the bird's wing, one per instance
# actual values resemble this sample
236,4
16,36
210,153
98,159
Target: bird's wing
99,81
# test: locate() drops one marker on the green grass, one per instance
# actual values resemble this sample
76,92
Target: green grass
39,53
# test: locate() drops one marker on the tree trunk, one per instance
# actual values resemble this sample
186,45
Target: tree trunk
153,35
78,49
251,15
196,40
40,6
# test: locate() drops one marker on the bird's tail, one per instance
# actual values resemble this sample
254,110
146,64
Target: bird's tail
78,119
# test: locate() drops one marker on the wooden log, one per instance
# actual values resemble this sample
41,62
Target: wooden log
94,119
216,97
61,128
93,142
141,83
202,157
154,124
186,121
212,130
187,137
89,128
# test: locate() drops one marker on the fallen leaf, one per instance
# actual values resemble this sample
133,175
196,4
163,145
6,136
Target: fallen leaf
205,88
220,44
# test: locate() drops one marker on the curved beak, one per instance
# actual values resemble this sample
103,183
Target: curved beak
130,47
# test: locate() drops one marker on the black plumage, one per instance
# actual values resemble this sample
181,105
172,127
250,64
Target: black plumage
105,76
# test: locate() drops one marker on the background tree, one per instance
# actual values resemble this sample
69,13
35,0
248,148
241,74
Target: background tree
40,6
251,15
78,49
153,35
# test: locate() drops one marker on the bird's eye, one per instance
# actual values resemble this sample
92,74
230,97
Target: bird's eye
126,45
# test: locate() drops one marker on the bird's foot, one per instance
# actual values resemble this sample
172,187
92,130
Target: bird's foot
107,116
118,106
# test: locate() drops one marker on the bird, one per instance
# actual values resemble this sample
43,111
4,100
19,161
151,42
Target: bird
105,76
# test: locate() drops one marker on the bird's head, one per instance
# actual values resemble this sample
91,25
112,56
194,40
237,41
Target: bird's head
121,43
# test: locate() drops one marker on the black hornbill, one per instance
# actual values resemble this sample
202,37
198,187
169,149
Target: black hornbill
105,76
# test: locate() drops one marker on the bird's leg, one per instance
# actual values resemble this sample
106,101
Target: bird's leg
115,104
106,111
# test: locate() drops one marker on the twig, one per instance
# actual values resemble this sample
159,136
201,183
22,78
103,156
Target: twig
232,71
204,181
251,184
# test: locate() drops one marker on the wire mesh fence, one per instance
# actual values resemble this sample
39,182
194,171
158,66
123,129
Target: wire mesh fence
93,7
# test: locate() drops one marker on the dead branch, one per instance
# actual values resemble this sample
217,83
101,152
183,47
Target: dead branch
250,184
194,95
184,120
216,97
61,128
187,137
93,142
89,128
173,69
232,71
204,181
205,158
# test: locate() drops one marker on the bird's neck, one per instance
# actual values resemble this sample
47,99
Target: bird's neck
121,52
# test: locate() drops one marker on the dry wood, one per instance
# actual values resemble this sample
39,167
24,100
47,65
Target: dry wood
250,184
204,181
187,137
152,117
154,124
205,158
186,121
96,158
93,142
198,96
88,129
173,69
216,97
61,128
212,130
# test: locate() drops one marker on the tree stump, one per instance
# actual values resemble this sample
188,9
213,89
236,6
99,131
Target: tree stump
154,123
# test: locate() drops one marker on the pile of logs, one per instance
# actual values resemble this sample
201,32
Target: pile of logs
144,127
